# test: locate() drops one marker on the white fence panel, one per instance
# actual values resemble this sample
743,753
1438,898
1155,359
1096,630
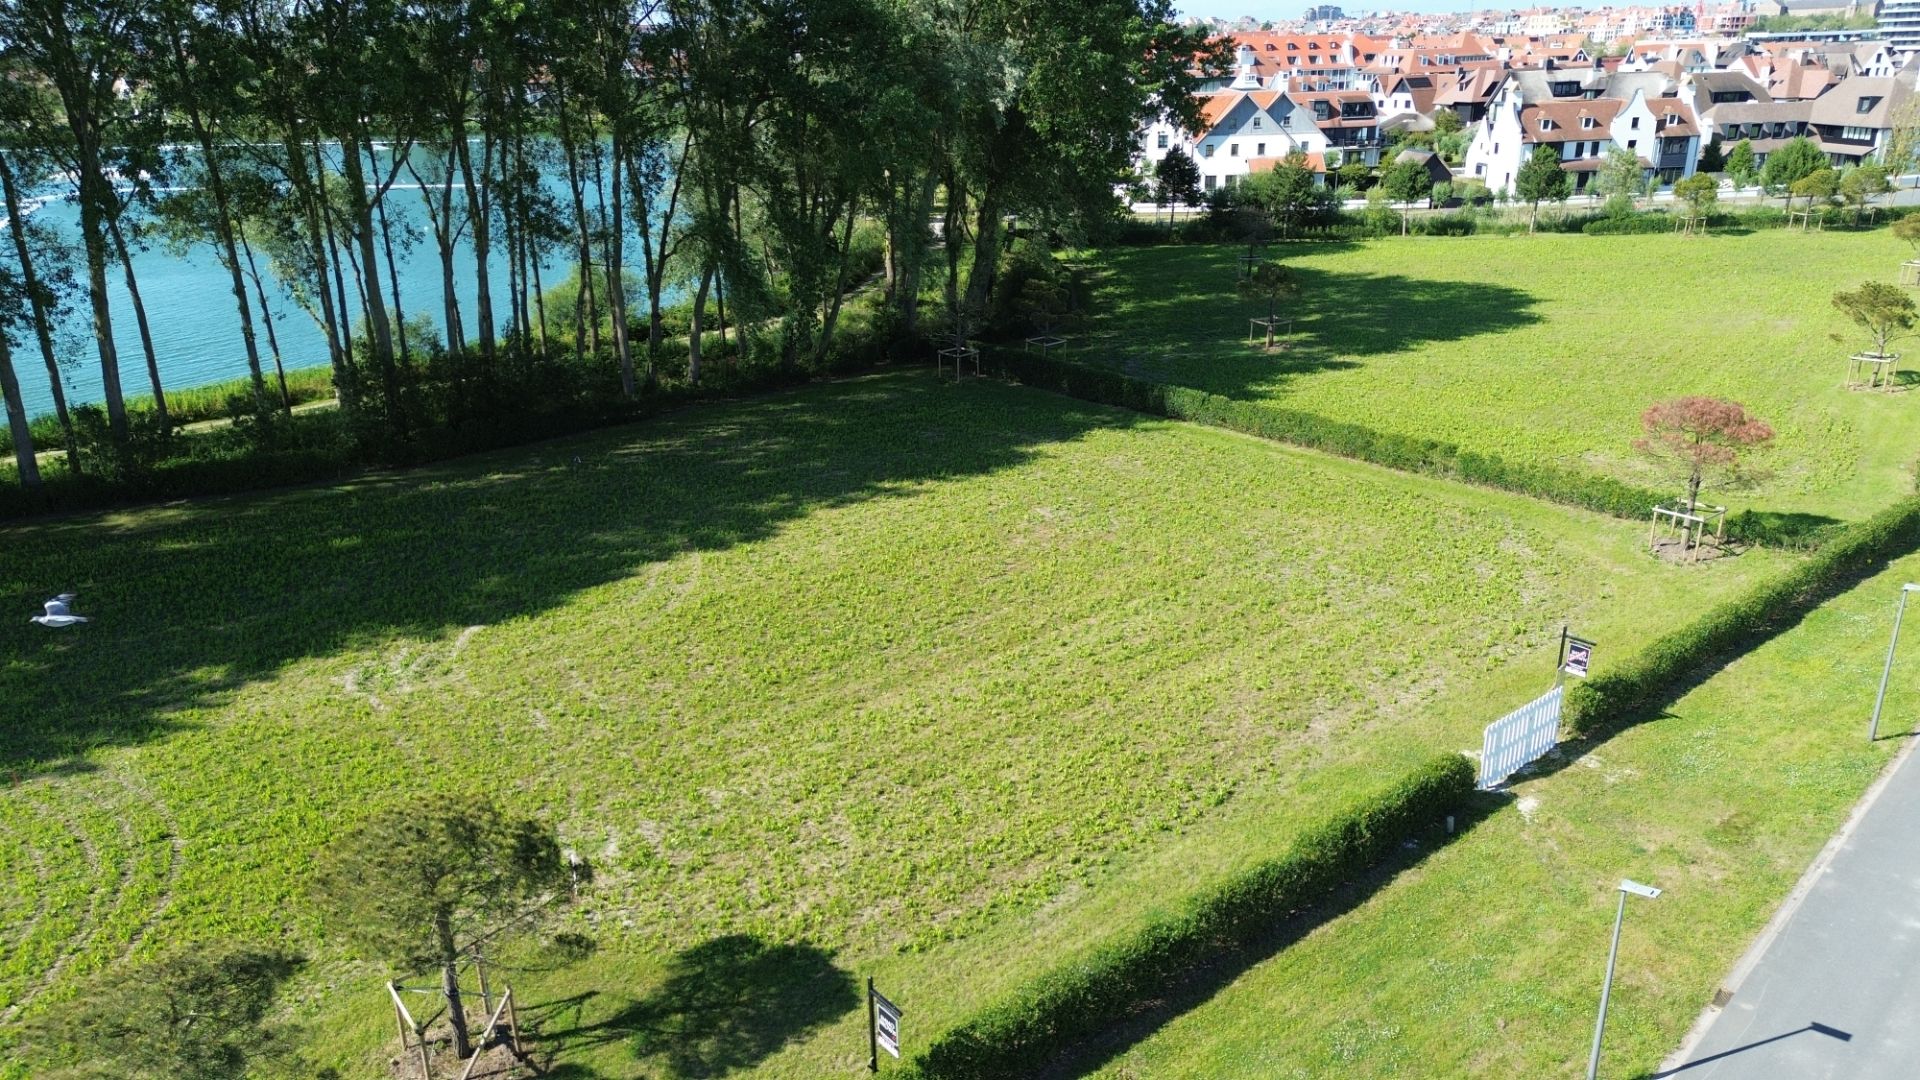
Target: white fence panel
1519,738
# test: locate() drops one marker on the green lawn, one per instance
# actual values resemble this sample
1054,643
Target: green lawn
884,675
1486,958
1540,348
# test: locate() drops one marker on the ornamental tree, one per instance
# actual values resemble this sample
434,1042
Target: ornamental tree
1862,184
1698,194
408,882
1884,311
1701,441
1176,181
1269,281
1908,229
1406,182
1740,166
1542,179
1796,160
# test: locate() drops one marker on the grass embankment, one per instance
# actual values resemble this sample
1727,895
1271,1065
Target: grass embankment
1541,348
1486,959
942,683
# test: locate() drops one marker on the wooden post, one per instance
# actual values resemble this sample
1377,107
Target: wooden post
513,1024
426,1063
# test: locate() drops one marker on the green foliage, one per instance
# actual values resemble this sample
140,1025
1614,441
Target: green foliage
414,873
1447,121
1541,179
1740,164
1176,179
1406,182
1791,163
1698,193
1619,179
1907,228
1094,991
1623,694
1425,456
1884,311
1713,159
197,1013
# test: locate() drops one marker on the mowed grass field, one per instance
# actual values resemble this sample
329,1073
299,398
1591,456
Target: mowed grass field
884,675
1486,958
1541,348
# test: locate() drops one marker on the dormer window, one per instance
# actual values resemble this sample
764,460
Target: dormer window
1546,124
1867,104
1588,123
1256,123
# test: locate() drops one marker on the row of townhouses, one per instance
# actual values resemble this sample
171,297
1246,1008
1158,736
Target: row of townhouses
1341,97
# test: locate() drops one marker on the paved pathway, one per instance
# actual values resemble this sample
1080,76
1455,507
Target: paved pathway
1834,990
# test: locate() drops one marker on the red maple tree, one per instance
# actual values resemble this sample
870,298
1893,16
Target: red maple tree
1701,439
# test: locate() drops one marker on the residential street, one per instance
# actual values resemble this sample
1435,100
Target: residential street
1835,993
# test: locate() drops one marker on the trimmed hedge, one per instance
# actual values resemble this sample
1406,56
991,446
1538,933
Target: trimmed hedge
1086,996
1650,678
1427,456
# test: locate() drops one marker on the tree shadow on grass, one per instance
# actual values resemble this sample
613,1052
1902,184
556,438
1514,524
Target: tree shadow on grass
1087,1057
724,1005
194,601
1173,314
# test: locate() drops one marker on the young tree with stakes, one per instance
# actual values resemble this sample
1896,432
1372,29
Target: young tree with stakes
1884,311
1270,281
410,880
1698,194
1701,441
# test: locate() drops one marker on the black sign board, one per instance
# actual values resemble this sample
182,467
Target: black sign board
1576,654
883,1026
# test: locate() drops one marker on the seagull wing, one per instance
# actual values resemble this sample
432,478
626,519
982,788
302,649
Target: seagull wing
58,607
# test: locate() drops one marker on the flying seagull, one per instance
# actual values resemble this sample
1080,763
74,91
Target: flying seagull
58,613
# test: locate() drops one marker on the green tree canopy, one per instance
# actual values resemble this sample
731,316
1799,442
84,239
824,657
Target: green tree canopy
1541,179
1740,164
1794,161
1271,282
1697,194
1884,311
1406,182
408,882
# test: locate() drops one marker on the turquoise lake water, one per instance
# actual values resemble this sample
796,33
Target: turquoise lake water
191,312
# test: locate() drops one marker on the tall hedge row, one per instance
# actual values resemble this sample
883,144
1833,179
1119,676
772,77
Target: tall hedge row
1011,1038
1652,676
1428,456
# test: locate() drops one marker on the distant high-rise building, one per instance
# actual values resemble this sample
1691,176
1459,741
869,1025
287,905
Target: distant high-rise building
1900,23
1325,13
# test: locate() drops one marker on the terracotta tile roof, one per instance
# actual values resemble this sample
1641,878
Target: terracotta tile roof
1316,162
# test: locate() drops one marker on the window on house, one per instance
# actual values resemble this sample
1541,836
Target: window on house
1256,123
1260,150
1857,133
1163,140
1207,150
1588,123
1633,143
1233,149
1867,104
1208,182
1634,124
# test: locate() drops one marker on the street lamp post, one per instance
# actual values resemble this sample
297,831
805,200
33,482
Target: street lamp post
1606,988
1873,726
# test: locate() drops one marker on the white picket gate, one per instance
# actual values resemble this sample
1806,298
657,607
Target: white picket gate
1519,738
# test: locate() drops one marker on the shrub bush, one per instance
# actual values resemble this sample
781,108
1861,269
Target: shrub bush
1409,454
1089,993
1624,694
1654,221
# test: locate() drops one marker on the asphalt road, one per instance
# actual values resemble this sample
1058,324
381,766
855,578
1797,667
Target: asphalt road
1837,992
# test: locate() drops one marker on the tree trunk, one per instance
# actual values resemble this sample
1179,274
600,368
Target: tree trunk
450,984
616,275
393,267
140,320
17,419
695,326
266,319
986,250
41,324
360,232
93,229
478,198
